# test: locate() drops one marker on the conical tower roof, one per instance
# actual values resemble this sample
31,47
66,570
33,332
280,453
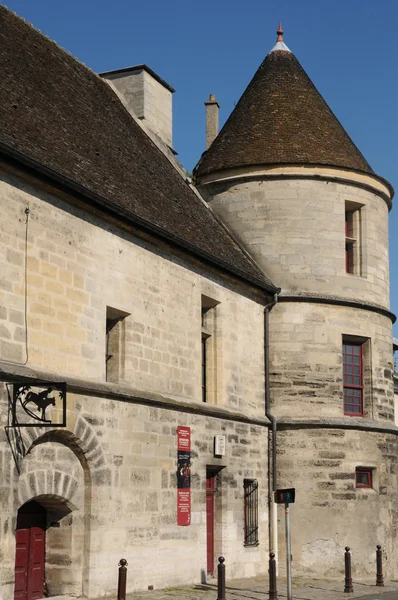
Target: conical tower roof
281,118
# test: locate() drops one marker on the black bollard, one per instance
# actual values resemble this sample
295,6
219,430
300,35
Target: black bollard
273,593
348,578
121,584
221,579
379,567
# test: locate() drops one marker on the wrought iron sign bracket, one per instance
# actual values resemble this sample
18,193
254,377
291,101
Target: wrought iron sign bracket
35,404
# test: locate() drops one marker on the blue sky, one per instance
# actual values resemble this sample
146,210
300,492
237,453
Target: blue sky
347,47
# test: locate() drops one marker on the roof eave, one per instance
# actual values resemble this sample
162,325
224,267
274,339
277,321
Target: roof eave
199,175
104,203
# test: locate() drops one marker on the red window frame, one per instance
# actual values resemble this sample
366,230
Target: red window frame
363,471
353,371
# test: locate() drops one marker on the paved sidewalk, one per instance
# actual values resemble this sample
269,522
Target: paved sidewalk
256,588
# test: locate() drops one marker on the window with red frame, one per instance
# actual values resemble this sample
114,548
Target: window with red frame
353,379
363,477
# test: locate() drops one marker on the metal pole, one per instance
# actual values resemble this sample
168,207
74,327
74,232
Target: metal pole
348,578
121,586
273,593
221,579
379,565
288,553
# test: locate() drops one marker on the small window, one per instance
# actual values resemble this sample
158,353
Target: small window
363,477
114,344
353,250
251,511
353,378
205,336
208,316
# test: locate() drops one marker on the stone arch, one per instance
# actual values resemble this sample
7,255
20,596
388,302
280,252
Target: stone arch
86,446
56,473
89,443
83,441
60,528
52,483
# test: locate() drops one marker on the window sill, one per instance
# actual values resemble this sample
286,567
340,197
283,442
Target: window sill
355,275
358,415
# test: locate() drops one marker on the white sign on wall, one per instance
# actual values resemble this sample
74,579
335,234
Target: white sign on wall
219,445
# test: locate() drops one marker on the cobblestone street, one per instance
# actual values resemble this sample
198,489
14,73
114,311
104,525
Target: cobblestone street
257,589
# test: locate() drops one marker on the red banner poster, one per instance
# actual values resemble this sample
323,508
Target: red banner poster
183,476
184,438
183,507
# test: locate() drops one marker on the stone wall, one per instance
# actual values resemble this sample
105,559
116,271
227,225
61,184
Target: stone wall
147,99
295,229
306,360
330,512
293,223
108,481
114,469
77,266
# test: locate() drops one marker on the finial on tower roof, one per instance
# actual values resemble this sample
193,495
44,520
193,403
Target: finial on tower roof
280,44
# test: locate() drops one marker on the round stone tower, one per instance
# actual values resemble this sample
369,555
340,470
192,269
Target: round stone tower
285,177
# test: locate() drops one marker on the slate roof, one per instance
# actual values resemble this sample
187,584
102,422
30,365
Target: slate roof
57,113
281,119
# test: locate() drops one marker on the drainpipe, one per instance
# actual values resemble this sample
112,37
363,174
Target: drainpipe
272,507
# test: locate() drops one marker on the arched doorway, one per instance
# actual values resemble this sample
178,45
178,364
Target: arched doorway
55,475
30,552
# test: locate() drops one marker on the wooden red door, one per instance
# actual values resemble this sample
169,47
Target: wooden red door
30,552
210,489
21,563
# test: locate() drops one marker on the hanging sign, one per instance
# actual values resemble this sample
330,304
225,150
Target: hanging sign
183,476
38,404
286,496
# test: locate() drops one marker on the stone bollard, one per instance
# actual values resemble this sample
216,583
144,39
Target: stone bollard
221,579
121,585
348,578
273,593
379,567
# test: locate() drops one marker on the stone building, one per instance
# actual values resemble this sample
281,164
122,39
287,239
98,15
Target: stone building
287,180
199,332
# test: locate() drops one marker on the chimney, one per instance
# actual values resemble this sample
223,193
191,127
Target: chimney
212,107
147,96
